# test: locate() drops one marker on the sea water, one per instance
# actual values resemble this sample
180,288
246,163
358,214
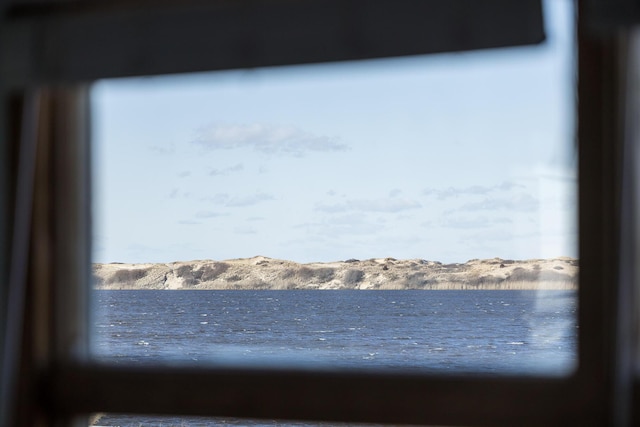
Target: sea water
488,332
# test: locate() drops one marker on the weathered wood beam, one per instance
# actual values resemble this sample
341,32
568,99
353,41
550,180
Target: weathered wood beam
86,40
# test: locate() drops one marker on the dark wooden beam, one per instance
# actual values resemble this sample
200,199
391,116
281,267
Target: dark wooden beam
86,40
370,397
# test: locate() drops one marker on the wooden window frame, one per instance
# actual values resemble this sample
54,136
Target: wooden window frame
44,48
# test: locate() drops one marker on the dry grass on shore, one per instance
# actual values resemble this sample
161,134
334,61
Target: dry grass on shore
259,273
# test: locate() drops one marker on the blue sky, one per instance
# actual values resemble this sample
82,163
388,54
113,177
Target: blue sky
442,157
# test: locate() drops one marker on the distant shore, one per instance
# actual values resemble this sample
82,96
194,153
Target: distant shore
373,274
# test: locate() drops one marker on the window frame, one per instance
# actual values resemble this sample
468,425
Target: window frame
61,384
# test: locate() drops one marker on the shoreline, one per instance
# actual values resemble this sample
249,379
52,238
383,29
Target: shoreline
263,273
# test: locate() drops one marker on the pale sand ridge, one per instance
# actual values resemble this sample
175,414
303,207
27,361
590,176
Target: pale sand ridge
379,273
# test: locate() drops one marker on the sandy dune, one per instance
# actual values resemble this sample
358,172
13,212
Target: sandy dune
380,273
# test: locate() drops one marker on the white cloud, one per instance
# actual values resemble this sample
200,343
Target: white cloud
218,199
349,219
208,214
476,222
390,205
249,200
226,171
344,226
473,190
334,208
384,205
176,193
245,230
268,139
224,199
520,203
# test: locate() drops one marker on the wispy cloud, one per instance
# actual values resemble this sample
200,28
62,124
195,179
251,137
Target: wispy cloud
165,149
349,219
331,208
384,205
224,199
217,199
226,171
473,190
250,200
265,138
243,229
208,214
344,226
395,192
177,193
390,205
519,203
474,222
483,237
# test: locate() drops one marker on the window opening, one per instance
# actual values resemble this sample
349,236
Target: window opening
435,193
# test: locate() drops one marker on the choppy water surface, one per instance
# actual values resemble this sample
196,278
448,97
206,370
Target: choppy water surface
523,332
